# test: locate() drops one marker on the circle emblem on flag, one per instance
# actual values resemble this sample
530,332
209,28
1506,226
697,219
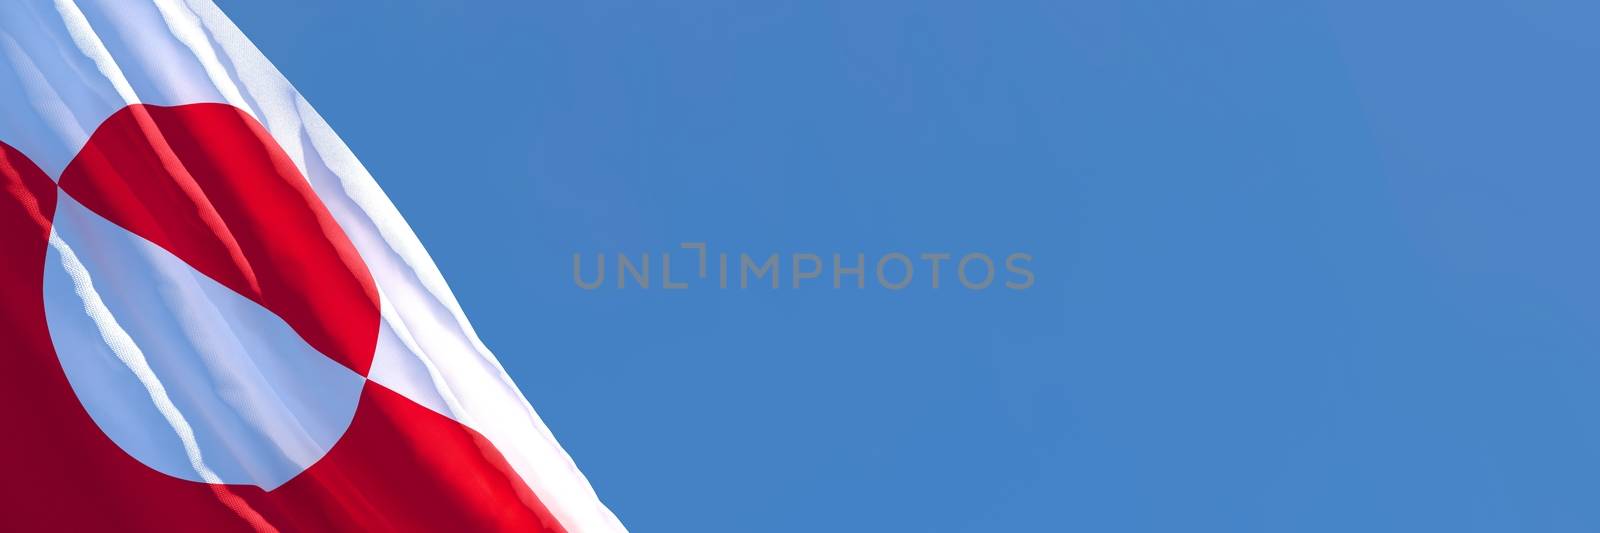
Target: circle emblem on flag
210,315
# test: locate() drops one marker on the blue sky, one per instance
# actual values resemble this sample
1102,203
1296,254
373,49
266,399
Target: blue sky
1301,265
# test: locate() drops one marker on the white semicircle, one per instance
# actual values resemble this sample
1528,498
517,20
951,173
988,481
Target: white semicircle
185,375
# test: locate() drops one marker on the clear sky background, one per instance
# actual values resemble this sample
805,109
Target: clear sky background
1322,266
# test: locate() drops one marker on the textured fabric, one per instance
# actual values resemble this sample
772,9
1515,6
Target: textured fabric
213,319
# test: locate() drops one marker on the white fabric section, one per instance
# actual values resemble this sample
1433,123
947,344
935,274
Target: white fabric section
187,376
57,89
402,366
73,63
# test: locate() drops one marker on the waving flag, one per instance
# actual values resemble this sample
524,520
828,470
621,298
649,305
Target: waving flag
211,318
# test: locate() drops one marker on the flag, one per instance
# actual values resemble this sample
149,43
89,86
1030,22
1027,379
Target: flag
211,317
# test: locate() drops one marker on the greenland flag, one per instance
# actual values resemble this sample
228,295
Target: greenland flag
212,319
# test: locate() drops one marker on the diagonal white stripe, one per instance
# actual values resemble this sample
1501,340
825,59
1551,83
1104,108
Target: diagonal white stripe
89,43
185,27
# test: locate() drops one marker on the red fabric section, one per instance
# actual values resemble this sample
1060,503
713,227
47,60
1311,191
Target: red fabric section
206,182
209,184
403,467
58,472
